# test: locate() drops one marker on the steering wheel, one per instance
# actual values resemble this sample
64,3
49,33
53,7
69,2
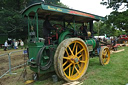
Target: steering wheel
58,27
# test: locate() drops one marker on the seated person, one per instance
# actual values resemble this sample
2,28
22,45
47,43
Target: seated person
47,27
84,29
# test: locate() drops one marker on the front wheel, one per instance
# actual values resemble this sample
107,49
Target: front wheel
104,56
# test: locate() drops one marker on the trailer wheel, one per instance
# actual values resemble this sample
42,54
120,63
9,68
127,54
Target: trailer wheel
104,56
71,59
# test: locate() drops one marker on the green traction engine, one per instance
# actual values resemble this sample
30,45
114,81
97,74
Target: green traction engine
68,47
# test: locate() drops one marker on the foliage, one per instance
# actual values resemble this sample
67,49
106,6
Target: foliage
101,28
12,22
118,20
114,4
11,19
51,1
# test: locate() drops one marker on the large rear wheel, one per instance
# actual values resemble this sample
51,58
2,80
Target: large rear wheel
71,59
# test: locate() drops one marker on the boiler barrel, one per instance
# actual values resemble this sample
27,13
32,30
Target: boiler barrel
91,42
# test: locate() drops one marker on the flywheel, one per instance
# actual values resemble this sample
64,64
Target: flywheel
104,56
71,59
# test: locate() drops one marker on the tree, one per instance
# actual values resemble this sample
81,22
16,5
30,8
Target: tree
118,19
12,22
115,4
51,1
101,28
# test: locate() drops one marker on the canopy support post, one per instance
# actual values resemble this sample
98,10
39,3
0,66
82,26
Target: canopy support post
37,26
91,27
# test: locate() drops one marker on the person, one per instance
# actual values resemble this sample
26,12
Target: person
21,44
84,29
12,43
9,43
104,39
16,45
114,41
47,27
5,45
99,45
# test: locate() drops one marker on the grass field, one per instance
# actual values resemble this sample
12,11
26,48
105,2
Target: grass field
115,73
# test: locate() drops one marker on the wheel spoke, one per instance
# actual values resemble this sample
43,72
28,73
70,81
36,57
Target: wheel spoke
66,58
106,59
73,69
80,51
65,63
77,70
78,65
103,60
82,61
104,56
79,56
74,47
105,52
68,66
71,50
67,52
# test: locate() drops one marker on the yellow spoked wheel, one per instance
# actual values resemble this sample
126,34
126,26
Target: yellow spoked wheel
71,59
104,56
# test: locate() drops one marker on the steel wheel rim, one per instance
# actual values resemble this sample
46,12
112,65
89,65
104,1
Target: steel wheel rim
75,60
105,56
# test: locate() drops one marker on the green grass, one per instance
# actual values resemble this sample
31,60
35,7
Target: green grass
115,73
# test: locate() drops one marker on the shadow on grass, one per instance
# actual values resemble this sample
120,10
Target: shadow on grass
46,79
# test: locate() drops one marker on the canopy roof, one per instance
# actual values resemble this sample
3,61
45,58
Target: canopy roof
59,13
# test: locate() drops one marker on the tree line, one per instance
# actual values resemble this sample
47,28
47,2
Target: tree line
12,23
15,26
118,18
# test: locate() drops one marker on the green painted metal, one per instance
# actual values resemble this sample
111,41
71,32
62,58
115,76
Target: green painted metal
44,9
30,24
56,9
64,35
37,27
36,70
32,8
91,42
28,28
34,49
71,11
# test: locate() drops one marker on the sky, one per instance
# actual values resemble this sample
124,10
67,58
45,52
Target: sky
89,6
